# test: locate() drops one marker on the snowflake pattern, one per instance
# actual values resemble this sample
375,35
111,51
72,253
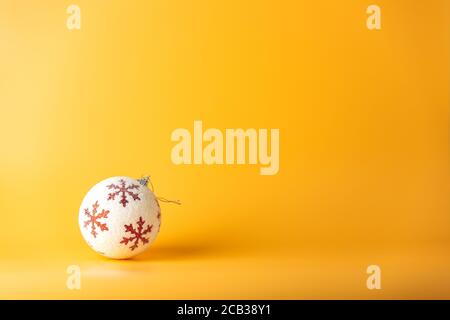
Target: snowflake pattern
137,234
159,212
123,191
93,219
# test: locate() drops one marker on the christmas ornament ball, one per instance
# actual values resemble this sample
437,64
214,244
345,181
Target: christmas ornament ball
120,217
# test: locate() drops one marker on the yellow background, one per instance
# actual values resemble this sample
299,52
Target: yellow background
364,146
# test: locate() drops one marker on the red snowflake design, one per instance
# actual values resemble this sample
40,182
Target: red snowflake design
124,191
159,212
137,234
94,217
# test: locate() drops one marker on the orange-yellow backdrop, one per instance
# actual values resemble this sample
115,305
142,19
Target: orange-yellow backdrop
363,118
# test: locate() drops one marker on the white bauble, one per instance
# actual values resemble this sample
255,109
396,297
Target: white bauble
120,217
